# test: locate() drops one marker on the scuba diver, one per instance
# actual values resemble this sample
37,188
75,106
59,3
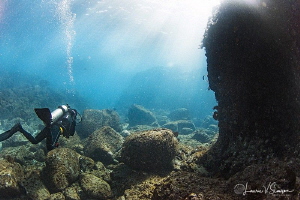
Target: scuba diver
61,121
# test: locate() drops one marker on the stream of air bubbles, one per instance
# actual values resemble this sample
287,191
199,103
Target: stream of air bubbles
67,18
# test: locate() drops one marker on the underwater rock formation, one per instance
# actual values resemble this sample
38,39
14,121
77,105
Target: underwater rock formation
95,119
23,155
100,171
62,168
95,187
186,185
253,68
35,188
182,126
151,150
179,114
138,115
275,175
202,136
71,193
102,144
11,177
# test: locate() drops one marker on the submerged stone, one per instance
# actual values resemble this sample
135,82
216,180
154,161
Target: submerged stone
184,127
95,187
179,114
62,168
11,176
95,119
201,136
151,150
103,144
34,186
71,193
138,115
56,196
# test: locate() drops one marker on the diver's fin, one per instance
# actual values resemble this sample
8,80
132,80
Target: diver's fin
44,114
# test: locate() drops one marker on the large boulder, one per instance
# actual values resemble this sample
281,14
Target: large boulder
183,127
151,150
201,136
72,193
95,119
11,177
62,168
102,144
138,115
253,67
179,114
35,188
95,187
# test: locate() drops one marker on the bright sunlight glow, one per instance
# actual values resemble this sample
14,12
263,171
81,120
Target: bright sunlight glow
172,28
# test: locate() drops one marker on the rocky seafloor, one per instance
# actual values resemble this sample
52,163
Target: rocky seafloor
149,156
107,159
142,154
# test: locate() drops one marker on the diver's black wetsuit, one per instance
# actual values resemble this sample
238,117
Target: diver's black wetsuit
65,125
51,139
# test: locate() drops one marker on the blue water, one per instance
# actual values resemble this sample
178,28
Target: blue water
112,53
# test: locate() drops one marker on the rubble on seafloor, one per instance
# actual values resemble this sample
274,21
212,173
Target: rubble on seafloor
111,160
147,164
104,165
107,159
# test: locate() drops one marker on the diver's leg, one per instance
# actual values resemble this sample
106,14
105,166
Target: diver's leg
35,140
52,137
9,133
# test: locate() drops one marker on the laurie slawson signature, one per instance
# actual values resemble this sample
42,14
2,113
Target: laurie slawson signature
270,189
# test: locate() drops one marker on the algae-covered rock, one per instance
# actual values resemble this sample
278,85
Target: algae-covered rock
151,150
95,187
23,154
143,189
96,119
189,185
201,136
138,115
11,176
276,177
102,144
57,196
71,193
35,188
88,165
62,168
101,172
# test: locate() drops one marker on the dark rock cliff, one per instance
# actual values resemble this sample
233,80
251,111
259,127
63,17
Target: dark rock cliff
253,68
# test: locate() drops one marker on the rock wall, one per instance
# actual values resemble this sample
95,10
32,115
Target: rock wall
253,68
